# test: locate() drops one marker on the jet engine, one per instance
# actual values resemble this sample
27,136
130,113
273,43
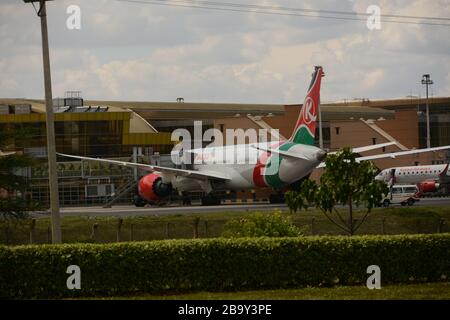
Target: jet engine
428,186
152,188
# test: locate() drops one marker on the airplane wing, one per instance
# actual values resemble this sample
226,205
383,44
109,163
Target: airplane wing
394,155
200,175
402,153
369,148
372,147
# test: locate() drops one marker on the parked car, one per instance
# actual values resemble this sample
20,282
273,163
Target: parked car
405,195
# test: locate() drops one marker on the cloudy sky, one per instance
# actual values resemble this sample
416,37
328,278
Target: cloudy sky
144,52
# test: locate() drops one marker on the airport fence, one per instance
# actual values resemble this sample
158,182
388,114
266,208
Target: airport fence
113,229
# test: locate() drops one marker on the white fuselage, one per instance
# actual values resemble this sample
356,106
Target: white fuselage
239,163
415,174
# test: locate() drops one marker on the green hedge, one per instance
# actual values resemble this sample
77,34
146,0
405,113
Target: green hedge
220,264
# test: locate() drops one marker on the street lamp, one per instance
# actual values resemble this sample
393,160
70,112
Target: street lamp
50,124
427,81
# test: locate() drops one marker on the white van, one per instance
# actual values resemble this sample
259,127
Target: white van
402,194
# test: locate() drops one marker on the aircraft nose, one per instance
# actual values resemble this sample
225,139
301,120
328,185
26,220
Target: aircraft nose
321,155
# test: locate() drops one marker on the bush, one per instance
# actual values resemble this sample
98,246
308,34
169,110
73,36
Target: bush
262,225
220,264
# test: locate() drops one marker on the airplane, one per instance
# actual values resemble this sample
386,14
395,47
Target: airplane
4,154
278,164
429,179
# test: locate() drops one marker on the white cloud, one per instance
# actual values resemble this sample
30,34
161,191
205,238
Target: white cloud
141,52
372,78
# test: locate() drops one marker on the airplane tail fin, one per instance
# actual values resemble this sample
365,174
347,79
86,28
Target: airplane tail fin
305,128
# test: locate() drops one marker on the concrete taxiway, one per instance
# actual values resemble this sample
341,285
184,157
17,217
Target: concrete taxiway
128,210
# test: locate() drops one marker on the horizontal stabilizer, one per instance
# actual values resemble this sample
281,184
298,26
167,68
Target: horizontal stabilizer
283,154
394,155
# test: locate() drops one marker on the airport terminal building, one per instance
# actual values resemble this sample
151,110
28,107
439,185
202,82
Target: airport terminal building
141,131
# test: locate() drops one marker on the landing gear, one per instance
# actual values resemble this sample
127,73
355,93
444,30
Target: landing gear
210,201
186,200
139,202
276,198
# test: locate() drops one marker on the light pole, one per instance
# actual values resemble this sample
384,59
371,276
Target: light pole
50,124
427,82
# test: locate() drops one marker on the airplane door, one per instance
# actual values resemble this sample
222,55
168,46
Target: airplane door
392,181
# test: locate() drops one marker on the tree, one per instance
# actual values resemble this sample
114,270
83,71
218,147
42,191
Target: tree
344,182
303,197
13,203
275,224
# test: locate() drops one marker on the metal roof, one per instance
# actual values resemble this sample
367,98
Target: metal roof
192,110
353,110
340,112
355,113
392,104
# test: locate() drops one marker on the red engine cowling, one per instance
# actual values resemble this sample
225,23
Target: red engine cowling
428,186
151,188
